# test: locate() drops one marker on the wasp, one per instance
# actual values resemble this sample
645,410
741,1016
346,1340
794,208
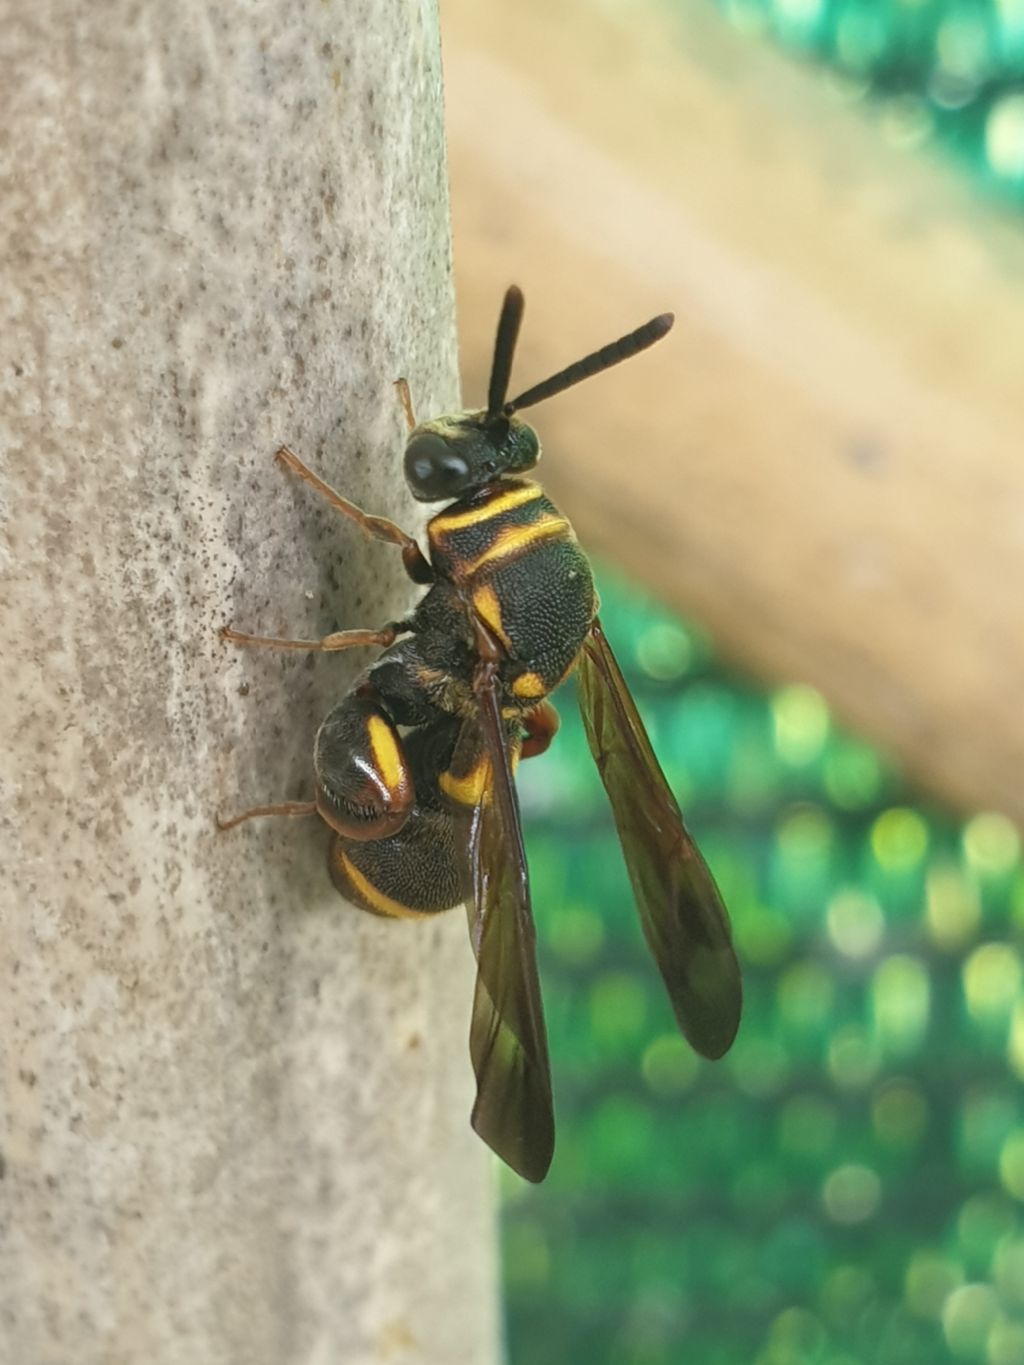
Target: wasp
414,768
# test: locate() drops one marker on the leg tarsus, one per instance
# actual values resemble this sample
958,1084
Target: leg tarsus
282,808
405,398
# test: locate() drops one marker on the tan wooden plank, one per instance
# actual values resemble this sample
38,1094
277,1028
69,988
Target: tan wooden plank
825,461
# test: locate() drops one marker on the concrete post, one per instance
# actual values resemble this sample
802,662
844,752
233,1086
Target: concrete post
234,1110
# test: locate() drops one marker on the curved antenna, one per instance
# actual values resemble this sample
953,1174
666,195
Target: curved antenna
612,354
504,349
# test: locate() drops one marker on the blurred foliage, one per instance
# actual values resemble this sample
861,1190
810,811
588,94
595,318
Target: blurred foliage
943,71
847,1186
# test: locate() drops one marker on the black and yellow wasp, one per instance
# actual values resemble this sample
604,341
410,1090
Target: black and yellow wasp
414,767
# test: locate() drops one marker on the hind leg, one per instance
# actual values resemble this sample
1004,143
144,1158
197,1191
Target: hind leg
367,729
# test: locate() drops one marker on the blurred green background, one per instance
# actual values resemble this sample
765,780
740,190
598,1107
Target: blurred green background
949,70
847,1187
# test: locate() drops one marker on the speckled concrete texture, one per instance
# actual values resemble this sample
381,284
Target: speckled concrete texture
234,1123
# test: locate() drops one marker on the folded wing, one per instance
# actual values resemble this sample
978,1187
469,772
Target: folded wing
681,910
514,1109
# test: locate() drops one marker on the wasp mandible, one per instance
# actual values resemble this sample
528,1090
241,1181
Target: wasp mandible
414,767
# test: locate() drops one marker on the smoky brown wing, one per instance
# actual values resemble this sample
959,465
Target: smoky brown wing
681,910
514,1109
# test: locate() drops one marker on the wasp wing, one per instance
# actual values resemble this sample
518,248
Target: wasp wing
514,1109
681,910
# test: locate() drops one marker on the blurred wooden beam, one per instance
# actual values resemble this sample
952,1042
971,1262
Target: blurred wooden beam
825,461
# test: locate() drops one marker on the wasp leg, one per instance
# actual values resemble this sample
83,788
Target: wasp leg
341,639
284,808
541,725
405,398
417,566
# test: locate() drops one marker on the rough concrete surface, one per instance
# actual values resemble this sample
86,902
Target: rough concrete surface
234,1117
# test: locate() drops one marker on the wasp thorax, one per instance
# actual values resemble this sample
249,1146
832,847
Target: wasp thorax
451,456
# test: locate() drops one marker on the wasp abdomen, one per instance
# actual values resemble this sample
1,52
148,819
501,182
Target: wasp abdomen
364,787
416,871
411,874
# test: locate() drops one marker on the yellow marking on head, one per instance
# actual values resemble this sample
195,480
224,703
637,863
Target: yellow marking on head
529,685
467,790
493,507
386,756
376,900
514,539
488,608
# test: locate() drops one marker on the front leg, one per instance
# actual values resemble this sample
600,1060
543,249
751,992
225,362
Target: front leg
417,566
340,639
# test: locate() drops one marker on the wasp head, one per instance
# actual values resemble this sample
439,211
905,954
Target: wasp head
452,456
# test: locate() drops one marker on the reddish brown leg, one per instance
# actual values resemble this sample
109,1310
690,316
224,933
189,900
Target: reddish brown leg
341,639
405,398
416,565
541,725
284,808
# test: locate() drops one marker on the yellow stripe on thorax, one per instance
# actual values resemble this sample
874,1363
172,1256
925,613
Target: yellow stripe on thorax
514,539
386,756
488,608
383,905
494,507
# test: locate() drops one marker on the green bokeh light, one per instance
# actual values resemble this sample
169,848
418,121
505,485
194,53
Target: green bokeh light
855,922
1011,1164
932,72
1004,138
929,1281
801,724
991,843
1008,1273
968,1316
899,840
665,650
992,976
854,776
901,1004
847,1186
952,906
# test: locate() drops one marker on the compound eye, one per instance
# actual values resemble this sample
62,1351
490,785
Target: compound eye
529,446
433,469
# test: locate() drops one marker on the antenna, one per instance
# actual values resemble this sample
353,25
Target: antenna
612,354
504,349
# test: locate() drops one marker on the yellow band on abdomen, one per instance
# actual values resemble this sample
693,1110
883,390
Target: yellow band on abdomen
378,902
